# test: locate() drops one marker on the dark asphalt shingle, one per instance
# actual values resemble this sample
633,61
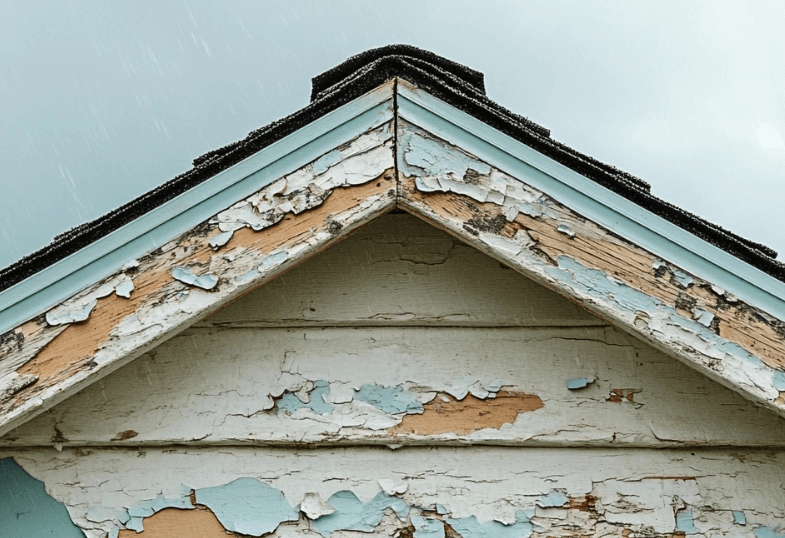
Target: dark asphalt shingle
453,83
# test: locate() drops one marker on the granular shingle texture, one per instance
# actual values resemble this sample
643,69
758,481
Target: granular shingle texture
451,82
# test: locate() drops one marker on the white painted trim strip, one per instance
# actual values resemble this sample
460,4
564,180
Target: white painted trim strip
593,201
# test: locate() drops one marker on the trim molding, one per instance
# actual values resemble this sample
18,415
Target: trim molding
101,258
592,200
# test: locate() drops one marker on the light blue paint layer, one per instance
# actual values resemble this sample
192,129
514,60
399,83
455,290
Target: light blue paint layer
779,380
739,518
593,201
327,160
247,506
100,513
27,510
469,527
391,400
105,256
427,528
291,403
183,502
428,154
221,239
352,515
769,532
684,280
578,383
554,499
685,522
595,283
205,281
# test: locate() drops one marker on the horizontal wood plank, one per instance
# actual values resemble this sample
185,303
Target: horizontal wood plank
467,492
579,386
399,270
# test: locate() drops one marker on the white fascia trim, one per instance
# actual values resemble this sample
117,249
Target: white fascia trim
593,201
61,280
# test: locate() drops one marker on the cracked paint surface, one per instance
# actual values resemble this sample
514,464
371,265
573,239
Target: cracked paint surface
157,294
464,492
541,459
601,270
497,213
337,385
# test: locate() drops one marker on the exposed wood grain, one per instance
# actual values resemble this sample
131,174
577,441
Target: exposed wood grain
685,316
225,386
306,218
174,523
445,414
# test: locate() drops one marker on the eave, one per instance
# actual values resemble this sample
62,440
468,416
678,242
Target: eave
41,364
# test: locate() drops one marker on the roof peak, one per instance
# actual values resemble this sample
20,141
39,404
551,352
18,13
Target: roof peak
373,58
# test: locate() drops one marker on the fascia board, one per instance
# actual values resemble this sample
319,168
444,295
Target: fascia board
106,255
592,200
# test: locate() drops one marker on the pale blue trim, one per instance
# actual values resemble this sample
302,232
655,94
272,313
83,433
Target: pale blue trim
594,201
106,255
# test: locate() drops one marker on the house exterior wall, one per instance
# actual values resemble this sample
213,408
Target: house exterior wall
404,384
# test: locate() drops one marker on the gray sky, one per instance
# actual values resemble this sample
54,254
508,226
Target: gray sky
102,101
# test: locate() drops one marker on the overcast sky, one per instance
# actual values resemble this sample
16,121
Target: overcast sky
102,101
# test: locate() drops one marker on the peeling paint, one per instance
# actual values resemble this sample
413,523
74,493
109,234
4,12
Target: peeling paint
315,399
703,317
221,239
125,287
314,507
391,400
446,415
426,527
578,383
469,527
351,514
554,499
62,316
247,506
566,229
739,518
205,281
530,245
13,383
685,522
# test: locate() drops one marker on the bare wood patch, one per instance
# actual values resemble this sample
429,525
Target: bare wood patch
73,348
176,523
445,414
542,234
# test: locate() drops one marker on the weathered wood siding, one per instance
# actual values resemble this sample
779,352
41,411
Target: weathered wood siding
513,412
470,492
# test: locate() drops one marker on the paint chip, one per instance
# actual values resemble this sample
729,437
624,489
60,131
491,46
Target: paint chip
124,287
314,507
220,240
390,487
579,383
247,506
61,316
739,518
554,499
566,229
184,275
